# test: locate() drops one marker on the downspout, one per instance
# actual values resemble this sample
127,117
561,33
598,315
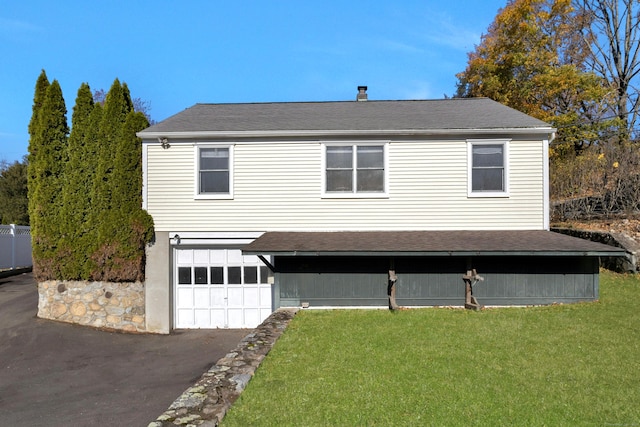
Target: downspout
546,209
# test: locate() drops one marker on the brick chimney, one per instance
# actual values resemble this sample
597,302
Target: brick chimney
362,93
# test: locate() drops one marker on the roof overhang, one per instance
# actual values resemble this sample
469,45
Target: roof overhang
194,135
427,243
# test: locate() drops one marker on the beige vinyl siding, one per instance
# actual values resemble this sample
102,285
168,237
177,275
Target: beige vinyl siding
277,187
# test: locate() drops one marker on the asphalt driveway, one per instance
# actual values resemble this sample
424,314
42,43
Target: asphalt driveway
58,374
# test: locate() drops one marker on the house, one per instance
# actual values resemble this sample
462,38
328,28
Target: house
268,205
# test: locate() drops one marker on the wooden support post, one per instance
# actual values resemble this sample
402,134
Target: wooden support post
470,279
391,290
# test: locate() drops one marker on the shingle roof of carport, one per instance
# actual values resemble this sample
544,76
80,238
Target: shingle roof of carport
435,243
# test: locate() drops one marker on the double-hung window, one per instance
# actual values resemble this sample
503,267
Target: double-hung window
488,168
355,169
214,174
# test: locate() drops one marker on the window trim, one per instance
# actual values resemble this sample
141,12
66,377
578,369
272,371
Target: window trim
355,193
212,196
505,164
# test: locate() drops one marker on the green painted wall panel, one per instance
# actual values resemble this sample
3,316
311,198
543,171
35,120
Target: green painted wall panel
362,281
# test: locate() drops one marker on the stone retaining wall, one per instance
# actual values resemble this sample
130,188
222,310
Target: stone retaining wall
627,264
118,306
208,400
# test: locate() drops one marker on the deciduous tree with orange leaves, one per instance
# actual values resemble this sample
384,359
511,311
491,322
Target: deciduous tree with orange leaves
532,58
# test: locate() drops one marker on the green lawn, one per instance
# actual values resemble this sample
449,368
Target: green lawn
573,364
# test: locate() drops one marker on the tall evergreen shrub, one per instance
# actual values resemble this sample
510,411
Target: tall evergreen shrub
34,143
45,205
77,189
85,190
126,227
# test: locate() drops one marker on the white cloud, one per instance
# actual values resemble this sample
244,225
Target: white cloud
445,32
17,26
399,47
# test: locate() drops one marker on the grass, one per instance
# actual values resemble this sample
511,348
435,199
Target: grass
575,364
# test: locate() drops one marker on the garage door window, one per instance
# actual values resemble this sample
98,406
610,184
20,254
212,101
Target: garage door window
217,275
184,275
200,275
251,275
235,275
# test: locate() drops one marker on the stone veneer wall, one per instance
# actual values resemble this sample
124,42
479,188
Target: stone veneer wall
118,306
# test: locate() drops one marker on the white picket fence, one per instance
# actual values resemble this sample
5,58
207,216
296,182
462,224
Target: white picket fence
15,246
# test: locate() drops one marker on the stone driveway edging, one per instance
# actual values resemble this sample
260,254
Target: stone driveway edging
209,399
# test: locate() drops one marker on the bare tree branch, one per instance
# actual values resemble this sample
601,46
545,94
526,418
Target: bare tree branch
613,35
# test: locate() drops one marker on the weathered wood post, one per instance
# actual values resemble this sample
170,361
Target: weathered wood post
471,278
391,286
391,290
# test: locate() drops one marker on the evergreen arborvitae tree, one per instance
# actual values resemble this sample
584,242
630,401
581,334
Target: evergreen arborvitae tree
78,185
38,99
88,240
128,102
127,169
129,226
116,107
34,143
47,163
107,259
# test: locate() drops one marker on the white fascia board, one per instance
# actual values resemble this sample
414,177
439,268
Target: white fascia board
214,238
217,234
190,135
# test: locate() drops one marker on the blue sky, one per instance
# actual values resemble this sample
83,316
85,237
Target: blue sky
174,54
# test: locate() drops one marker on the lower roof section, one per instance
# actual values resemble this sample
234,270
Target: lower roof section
427,243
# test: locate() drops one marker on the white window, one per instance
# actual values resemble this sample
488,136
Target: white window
488,168
214,172
355,169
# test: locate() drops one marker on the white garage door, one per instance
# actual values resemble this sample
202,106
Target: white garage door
220,288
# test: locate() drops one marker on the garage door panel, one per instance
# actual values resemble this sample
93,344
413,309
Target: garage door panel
185,297
201,297
265,296
184,256
201,256
234,296
217,297
251,316
184,318
218,257
234,256
264,313
218,319
251,297
235,318
202,318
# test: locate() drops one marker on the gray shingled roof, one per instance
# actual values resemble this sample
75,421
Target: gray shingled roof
457,113
458,243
